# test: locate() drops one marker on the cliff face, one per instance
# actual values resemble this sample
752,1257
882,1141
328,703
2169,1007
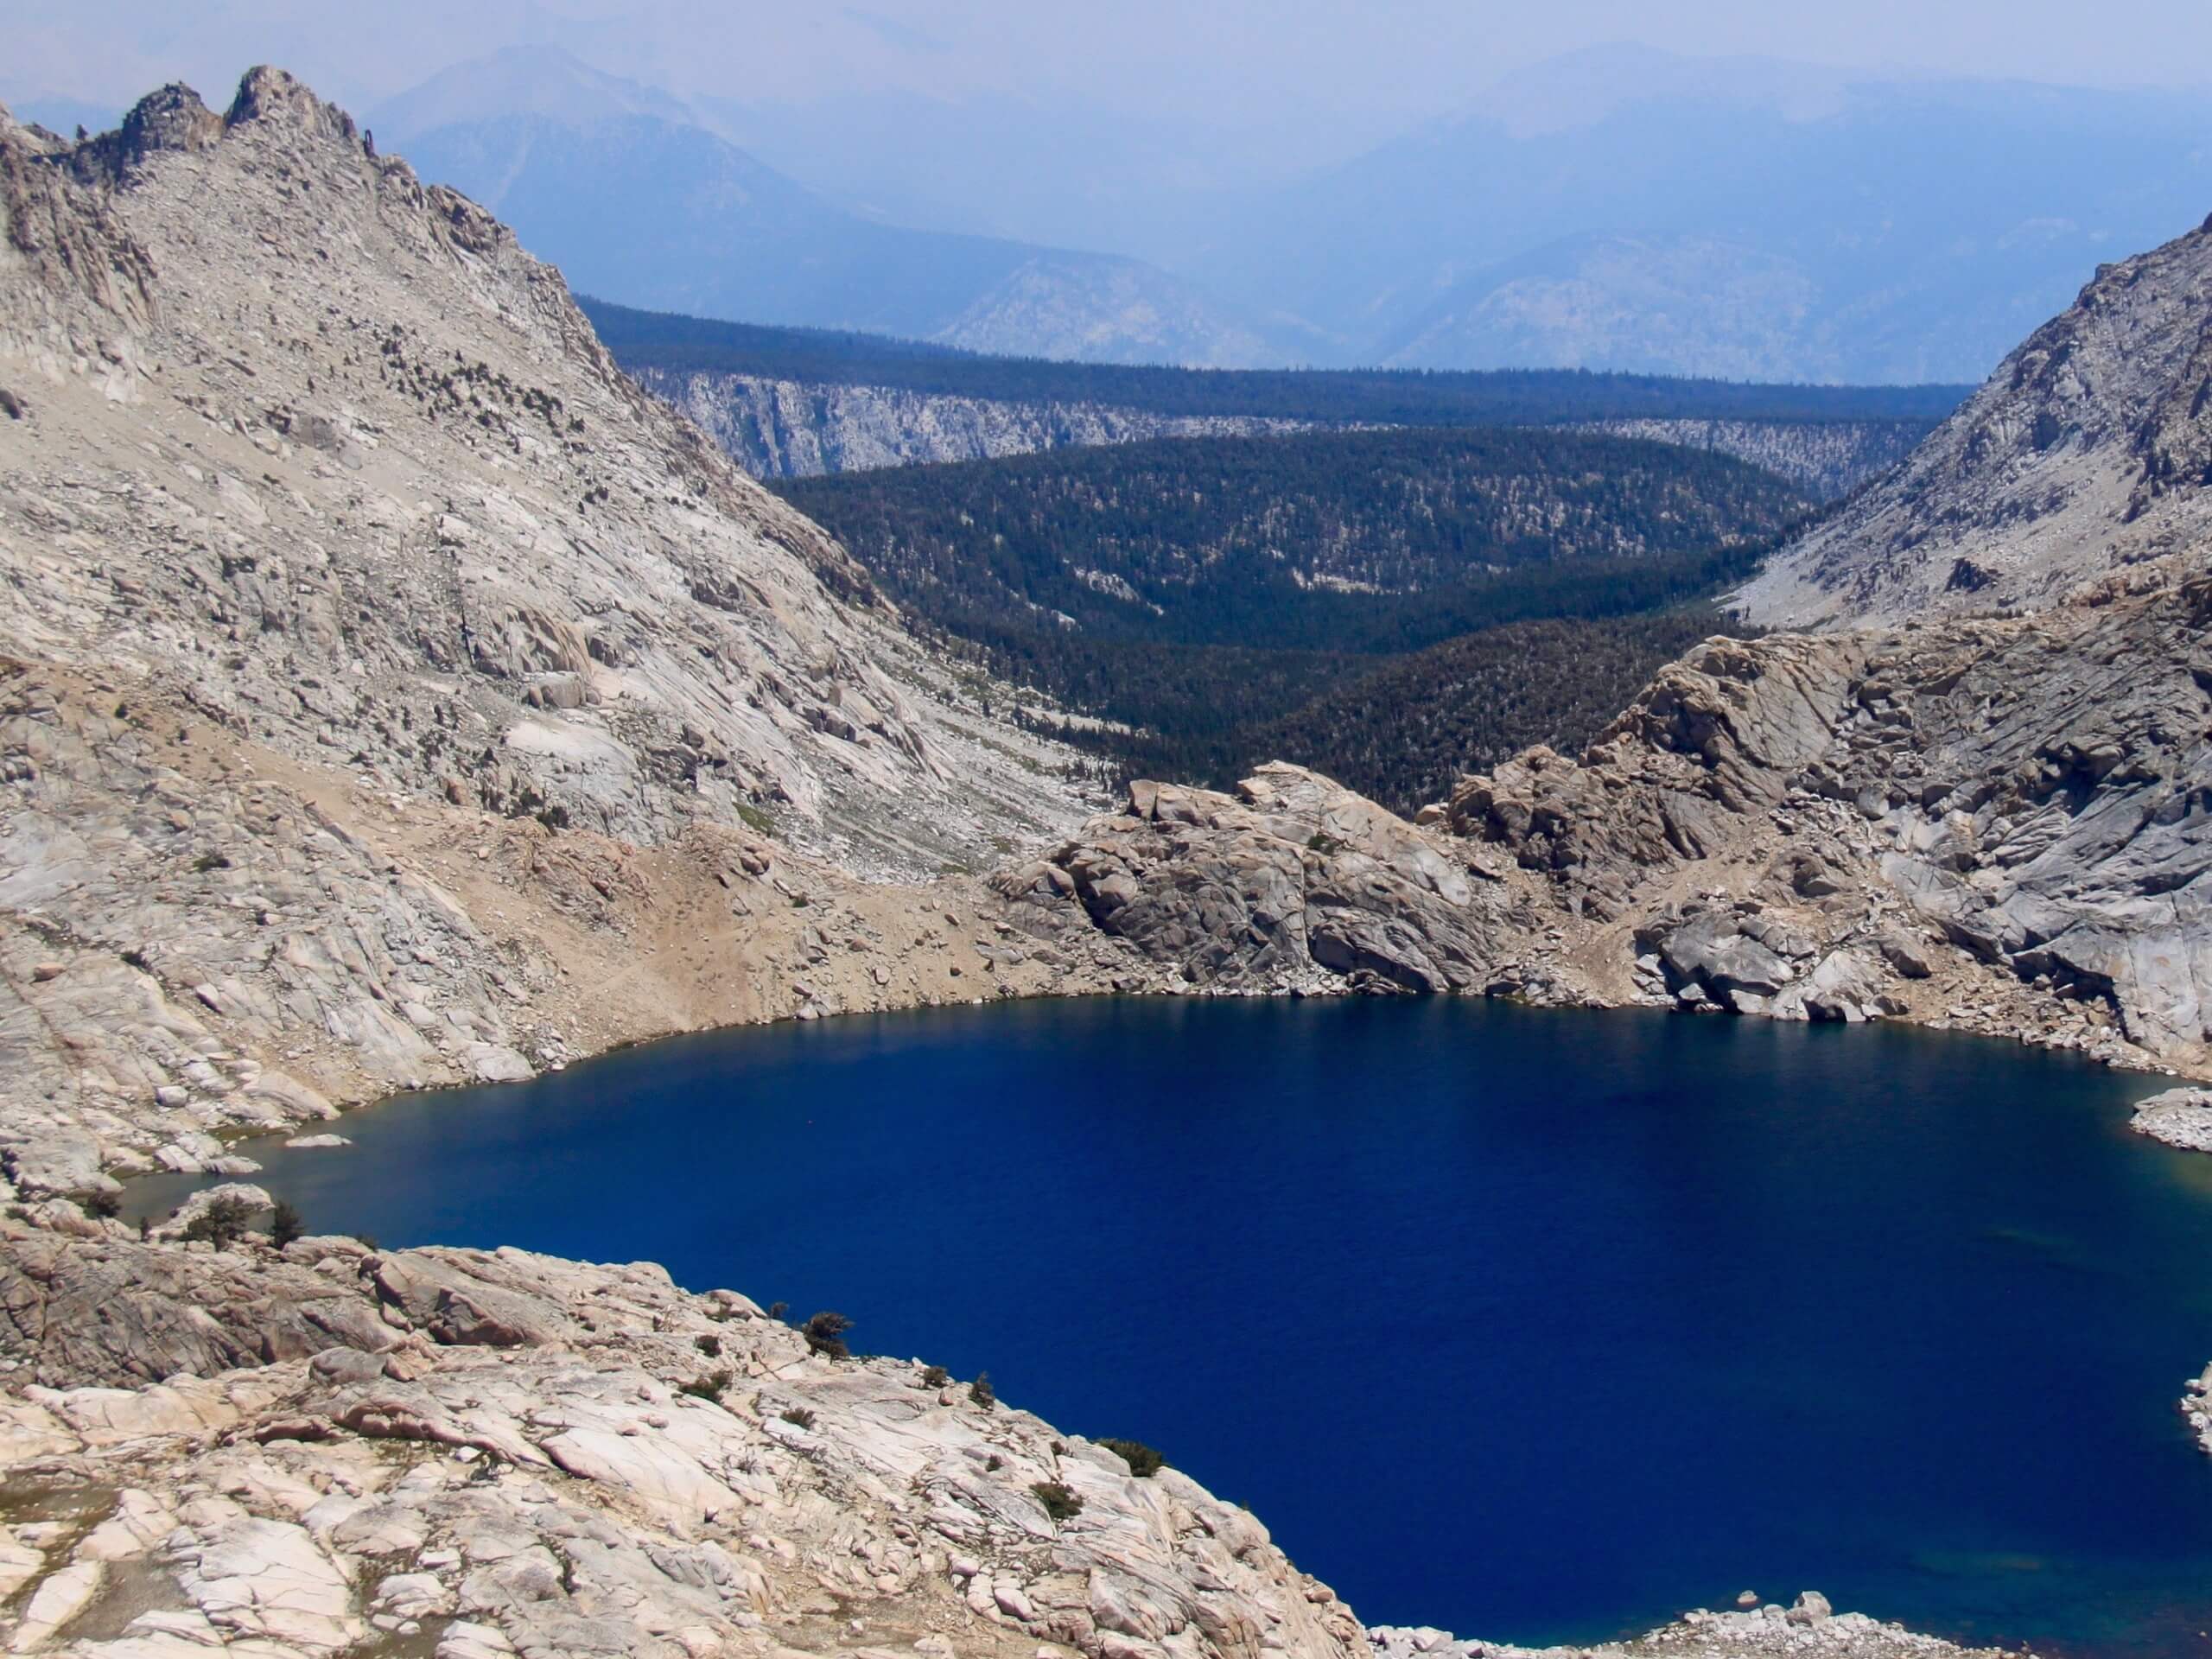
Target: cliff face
2086,451
787,428
790,428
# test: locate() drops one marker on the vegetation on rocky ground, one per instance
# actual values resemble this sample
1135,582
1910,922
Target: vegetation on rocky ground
1391,609
1144,1462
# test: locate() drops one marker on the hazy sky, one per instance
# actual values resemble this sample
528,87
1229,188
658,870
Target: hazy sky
1375,64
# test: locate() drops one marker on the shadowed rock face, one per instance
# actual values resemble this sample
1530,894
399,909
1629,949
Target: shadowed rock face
2086,451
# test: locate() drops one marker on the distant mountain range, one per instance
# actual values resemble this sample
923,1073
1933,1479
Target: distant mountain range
1620,208
1629,209
637,198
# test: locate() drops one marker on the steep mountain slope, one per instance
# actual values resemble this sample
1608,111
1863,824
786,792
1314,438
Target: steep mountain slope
389,682
420,463
2089,449
637,200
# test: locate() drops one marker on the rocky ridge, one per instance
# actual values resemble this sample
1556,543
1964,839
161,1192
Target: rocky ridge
790,428
472,1453
2084,451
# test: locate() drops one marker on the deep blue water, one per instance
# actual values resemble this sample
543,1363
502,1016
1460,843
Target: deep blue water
1537,1325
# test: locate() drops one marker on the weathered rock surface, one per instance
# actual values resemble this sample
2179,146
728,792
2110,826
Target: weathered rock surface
1292,883
614,1466
2180,1117
398,512
2000,824
2084,453
790,428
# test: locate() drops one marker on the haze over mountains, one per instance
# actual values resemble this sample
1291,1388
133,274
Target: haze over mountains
1628,208
1621,208
637,197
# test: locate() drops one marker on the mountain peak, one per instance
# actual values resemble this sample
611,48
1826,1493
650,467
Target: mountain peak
170,118
280,98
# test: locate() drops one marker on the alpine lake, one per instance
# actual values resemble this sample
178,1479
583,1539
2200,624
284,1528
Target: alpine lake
1539,1326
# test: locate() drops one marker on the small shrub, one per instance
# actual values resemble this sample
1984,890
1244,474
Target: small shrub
981,1393
935,1376
799,1417
777,1310
103,1206
1060,1502
1143,1461
994,1463
825,1335
708,1387
285,1225
367,1240
1060,1448
709,1344
222,1224
207,862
